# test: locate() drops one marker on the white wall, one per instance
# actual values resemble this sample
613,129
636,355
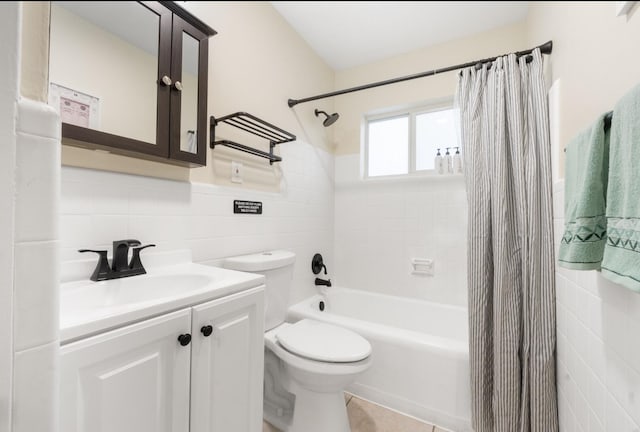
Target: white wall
9,34
591,59
598,350
99,207
382,224
256,62
36,268
29,178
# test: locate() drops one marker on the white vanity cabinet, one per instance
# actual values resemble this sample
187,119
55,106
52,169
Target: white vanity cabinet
227,366
141,378
135,378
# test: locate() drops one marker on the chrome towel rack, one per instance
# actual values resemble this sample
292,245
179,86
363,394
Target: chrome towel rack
253,125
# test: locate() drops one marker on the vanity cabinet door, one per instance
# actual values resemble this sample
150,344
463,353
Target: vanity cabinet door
227,365
133,379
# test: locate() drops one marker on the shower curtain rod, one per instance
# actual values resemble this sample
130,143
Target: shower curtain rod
544,49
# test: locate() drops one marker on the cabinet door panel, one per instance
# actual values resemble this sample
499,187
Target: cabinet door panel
227,366
189,57
134,379
107,61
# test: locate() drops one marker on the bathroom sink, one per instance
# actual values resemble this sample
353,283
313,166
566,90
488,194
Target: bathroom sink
129,291
88,307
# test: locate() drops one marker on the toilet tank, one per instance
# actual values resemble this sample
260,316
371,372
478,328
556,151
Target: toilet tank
277,268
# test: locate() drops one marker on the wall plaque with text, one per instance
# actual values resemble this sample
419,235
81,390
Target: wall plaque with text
247,207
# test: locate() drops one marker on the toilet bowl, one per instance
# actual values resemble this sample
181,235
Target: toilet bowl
308,364
317,383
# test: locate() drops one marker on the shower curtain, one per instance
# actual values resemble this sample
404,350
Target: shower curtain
510,262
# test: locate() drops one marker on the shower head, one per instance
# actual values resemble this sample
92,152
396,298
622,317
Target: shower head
331,119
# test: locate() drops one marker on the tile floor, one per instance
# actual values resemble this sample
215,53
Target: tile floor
365,416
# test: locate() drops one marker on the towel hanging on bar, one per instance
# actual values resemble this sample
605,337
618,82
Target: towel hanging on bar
607,123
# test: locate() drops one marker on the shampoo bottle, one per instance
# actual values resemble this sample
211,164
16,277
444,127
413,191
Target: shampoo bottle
457,162
448,164
439,164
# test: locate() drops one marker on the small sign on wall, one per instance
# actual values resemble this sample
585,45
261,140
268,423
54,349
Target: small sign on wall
247,207
74,107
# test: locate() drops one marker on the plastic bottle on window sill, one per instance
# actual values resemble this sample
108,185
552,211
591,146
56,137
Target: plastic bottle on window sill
439,163
457,162
448,163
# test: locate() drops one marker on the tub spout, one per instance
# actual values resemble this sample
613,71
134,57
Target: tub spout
323,282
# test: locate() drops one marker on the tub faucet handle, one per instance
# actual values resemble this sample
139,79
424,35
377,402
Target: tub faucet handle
317,264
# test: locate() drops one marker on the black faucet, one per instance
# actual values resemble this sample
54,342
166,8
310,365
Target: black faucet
120,267
317,265
323,282
121,254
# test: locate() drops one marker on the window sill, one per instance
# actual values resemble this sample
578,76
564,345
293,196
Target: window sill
400,179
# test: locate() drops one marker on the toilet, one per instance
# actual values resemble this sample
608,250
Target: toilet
308,364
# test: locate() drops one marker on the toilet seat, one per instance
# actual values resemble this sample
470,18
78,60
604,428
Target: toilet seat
294,362
323,342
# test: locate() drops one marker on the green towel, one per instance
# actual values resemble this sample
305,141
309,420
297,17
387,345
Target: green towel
621,263
585,188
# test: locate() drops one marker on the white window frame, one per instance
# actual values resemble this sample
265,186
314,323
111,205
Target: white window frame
411,112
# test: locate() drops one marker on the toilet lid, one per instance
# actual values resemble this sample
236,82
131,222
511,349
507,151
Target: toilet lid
323,342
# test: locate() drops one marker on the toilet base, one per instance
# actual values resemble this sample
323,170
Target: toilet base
319,412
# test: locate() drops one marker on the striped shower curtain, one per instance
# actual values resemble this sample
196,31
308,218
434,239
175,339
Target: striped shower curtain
505,138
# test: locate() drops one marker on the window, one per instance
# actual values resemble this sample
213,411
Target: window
406,142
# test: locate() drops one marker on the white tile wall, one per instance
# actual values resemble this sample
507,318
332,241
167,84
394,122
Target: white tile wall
380,225
36,263
36,294
598,347
9,73
98,207
35,376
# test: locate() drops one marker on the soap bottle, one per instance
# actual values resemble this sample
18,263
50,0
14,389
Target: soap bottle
448,165
457,162
439,164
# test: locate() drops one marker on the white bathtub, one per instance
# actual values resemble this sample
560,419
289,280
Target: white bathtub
420,352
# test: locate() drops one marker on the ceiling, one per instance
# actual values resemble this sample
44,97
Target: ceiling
351,33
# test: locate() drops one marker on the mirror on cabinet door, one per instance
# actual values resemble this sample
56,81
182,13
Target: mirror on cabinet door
104,67
189,90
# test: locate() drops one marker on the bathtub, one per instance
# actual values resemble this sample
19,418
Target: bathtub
420,352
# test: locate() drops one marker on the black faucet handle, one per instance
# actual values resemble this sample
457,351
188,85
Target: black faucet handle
136,263
138,249
102,268
99,252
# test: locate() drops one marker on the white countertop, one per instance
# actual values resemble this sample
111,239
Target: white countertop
88,308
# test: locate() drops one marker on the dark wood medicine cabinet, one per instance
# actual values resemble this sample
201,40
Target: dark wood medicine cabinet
131,78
